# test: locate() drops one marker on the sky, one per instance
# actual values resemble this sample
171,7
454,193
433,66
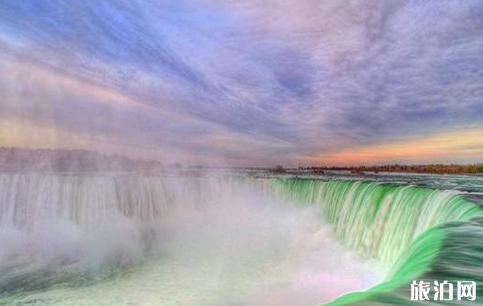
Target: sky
246,83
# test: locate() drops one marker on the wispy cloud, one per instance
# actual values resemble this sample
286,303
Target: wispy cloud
460,146
252,82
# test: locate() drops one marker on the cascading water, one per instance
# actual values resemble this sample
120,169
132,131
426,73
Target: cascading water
418,233
119,239
133,239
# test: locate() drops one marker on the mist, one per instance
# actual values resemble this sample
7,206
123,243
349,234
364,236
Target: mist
209,240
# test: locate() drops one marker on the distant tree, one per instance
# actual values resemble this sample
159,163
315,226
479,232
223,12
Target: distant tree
279,169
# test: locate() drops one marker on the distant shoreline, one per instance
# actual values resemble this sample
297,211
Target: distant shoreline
472,169
62,160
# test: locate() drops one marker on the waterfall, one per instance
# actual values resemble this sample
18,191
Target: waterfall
26,199
96,225
418,232
89,225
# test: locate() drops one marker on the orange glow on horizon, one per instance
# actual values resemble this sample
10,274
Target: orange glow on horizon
455,146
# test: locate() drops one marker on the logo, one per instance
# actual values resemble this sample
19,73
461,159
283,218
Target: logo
443,291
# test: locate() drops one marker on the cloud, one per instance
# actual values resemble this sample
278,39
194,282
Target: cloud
245,83
460,146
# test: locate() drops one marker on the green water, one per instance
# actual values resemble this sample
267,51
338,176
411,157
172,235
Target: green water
228,240
153,240
418,233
